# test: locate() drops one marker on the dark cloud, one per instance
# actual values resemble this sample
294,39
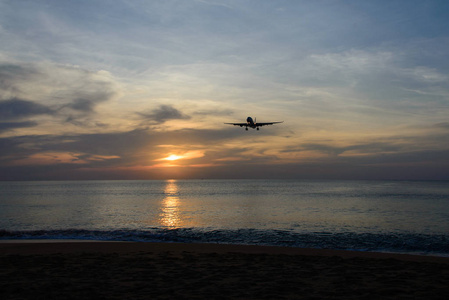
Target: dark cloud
86,105
67,93
376,147
4,126
11,75
444,125
14,109
164,113
85,100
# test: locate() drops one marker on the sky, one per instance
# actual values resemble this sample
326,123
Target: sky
127,89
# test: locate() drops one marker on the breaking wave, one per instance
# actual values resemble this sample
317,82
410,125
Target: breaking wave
412,243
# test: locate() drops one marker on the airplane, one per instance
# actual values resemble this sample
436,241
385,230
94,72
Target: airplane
252,124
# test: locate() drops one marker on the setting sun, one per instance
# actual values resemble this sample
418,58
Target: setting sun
187,155
172,157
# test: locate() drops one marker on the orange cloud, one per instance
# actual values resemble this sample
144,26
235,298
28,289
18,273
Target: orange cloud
52,158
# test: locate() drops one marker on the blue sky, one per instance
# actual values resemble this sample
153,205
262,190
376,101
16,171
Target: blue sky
101,89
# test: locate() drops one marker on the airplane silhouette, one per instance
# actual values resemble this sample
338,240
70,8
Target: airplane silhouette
252,124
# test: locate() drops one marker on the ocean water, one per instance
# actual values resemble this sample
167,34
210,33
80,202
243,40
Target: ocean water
388,216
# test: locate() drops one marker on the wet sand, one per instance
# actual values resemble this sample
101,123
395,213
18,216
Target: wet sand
125,270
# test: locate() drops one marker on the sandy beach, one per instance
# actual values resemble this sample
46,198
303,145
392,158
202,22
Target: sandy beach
128,270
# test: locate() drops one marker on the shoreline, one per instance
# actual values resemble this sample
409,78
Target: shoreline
49,246
133,270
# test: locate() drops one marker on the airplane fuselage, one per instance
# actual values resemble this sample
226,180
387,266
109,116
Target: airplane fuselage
250,122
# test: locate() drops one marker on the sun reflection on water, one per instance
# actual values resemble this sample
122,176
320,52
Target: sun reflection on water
169,215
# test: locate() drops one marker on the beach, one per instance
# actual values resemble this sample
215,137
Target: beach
131,270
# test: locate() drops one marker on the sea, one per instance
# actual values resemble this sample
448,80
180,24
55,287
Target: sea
383,216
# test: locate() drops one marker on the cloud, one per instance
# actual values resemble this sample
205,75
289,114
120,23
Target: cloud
226,153
85,105
12,76
65,93
5,126
163,114
376,148
15,108
133,147
54,158
444,125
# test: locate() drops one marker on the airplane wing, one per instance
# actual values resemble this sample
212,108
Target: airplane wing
237,124
268,123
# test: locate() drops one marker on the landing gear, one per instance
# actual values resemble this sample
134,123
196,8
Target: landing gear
257,128
246,128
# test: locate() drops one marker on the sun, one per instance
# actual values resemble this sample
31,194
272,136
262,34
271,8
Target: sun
172,157
186,155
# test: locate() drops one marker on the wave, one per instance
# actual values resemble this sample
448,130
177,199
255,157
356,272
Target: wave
412,243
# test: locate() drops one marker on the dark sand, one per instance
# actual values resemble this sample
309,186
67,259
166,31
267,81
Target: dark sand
121,270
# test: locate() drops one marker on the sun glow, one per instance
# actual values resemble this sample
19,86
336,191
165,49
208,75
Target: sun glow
186,155
172,157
